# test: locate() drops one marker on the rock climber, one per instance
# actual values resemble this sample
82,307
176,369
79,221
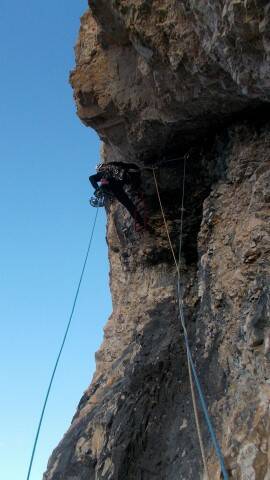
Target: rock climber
112,178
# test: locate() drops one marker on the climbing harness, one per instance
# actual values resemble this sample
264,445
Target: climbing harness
191,366
61,349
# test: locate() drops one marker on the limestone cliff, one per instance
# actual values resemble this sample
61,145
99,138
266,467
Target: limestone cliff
158,79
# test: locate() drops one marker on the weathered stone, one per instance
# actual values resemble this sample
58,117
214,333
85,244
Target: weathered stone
162,78
154,76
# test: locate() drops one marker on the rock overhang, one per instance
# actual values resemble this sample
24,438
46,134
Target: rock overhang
158,78
154,78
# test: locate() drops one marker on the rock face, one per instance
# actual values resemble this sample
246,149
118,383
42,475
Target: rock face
157,80
155,75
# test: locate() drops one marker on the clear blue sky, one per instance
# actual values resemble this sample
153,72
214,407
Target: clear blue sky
46,157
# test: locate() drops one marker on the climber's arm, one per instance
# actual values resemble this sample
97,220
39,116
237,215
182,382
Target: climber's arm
94,179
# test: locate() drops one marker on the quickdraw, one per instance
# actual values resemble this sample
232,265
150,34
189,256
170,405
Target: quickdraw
97,202
99,199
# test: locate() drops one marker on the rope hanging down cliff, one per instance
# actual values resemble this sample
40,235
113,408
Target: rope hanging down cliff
191,366
178,276
179,296
61,349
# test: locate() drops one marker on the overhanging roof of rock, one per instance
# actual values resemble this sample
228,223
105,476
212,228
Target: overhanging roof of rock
155,73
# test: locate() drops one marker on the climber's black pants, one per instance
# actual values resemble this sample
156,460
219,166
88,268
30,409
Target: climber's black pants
115,187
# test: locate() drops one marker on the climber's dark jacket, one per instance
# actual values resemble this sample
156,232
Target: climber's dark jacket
94,179
115,186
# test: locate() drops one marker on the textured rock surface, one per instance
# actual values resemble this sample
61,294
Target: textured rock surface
157,74
154,78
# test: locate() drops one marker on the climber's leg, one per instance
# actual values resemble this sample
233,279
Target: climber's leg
122,197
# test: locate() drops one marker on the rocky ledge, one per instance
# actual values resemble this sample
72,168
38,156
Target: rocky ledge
160,80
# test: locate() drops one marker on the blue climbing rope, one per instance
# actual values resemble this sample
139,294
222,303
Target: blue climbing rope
60,351
181,313
206,414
